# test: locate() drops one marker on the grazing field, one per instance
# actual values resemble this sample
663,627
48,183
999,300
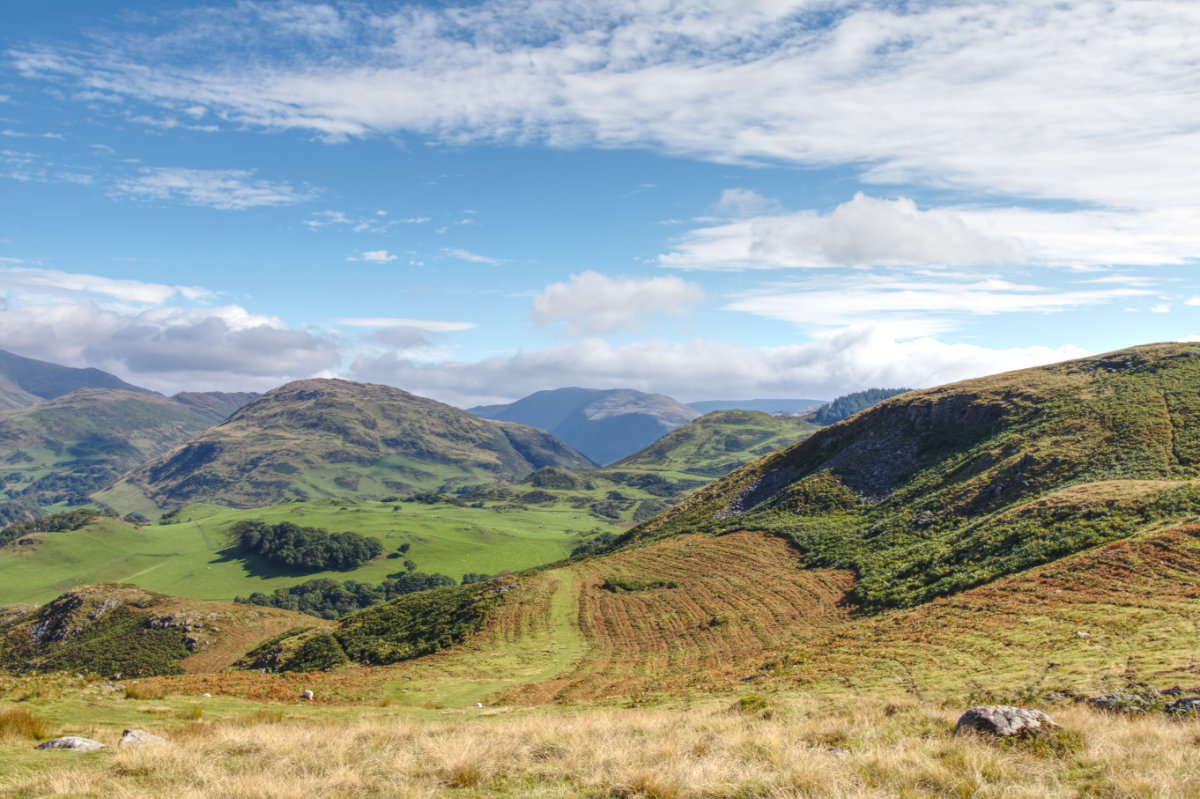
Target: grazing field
193,557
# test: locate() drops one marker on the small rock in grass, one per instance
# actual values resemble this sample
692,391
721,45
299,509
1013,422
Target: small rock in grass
479,704
136,738
307,694
1186,705
71,742
1003,721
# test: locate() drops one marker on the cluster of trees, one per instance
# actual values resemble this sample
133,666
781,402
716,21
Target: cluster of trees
57,523
847,405
330,599
305,548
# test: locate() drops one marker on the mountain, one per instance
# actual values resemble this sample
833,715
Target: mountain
63,449
788,407
25,381
340,438
718,442
604,425
219,405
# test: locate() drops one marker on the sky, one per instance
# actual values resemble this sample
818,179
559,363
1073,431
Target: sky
711,200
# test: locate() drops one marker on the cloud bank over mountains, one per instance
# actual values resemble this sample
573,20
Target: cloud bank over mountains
1035,161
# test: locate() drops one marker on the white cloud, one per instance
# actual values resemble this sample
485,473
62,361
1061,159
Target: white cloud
864,230
225,189
593,303
29,284
1080,100
828,366
922,304
374,256
169,348
465,255
1162,307
741,202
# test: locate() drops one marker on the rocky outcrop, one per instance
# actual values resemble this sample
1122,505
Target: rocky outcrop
133,739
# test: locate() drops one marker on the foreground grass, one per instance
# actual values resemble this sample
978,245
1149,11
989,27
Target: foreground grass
799,747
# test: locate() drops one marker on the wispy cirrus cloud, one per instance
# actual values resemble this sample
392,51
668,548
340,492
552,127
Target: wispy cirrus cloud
1007,98
223,189
34,284
467,255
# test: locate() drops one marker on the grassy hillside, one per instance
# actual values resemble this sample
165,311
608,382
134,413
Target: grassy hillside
718,442
334,438
935,491
60,451
605,425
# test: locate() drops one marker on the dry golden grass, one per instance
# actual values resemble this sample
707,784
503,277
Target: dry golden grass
20,723
802,749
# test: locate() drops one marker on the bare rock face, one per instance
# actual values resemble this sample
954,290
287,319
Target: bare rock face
71,742
131,739
1003,721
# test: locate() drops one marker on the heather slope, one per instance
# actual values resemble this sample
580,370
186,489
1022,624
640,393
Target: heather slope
315,438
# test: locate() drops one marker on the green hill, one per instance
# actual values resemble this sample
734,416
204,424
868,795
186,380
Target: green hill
935,491
603,424
60,451
329,438
718,442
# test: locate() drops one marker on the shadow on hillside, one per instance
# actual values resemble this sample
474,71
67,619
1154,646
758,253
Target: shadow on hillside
256,565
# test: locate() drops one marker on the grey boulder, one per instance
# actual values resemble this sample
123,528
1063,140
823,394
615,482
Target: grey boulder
135,738
75,742
1003,721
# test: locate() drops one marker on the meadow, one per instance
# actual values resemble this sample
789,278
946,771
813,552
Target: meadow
725,747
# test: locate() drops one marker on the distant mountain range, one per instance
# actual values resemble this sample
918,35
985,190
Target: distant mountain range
605,425
25,382
315,438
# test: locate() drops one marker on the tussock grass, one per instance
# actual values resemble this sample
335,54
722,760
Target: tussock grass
20,723
139,690
805,749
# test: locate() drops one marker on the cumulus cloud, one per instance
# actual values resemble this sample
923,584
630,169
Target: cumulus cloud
593,303
431,325
864,230
169,348
224,189
828,366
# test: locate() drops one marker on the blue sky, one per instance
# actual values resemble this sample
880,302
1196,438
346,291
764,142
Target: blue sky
771,198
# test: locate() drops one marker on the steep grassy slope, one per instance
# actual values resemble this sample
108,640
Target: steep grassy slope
930,492
603,424
61,450
718,442
338,438
113,628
